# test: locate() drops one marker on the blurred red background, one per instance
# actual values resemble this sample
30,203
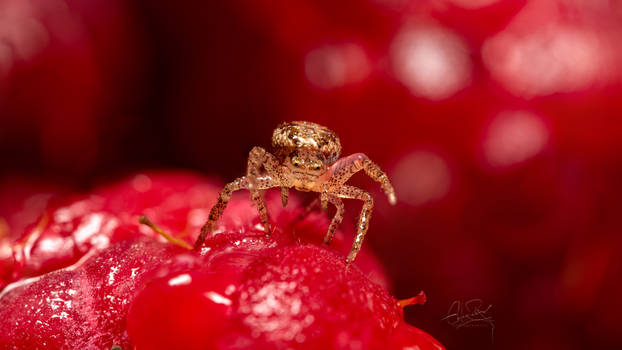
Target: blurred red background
498,122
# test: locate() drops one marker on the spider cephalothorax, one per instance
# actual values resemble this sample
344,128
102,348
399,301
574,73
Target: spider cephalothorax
306,157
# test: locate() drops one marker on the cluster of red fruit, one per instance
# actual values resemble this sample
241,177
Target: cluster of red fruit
86,275
496,120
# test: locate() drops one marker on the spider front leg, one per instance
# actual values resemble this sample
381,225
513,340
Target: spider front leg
344,168
223,199
284,195
257,197
258,158
219,207
337,219
363,222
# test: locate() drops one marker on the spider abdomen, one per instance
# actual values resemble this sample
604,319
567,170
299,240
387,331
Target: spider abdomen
290,136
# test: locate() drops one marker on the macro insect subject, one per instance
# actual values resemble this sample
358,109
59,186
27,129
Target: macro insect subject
306,157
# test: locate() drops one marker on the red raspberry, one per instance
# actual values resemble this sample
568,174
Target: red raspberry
80,307
242,290
21,202
67,230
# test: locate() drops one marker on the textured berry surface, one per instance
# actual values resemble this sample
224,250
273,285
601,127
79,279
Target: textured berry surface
84,307
21,203
70,227
242,289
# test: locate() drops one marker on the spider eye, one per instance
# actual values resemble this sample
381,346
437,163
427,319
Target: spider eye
296,162
317,167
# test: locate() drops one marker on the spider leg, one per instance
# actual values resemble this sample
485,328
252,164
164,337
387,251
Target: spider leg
258,158
284,195
219,207
224,197
324,201
257,197
338,203
344,168
363,222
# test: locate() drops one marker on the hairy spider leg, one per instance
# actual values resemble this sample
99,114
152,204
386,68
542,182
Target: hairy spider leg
363,223
284,195
341,171
344,168
258,158
337,219
261,183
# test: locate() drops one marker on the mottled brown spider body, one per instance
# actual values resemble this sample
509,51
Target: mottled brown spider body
306,157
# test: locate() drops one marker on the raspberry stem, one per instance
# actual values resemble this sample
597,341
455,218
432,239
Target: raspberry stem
145,221
417,299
